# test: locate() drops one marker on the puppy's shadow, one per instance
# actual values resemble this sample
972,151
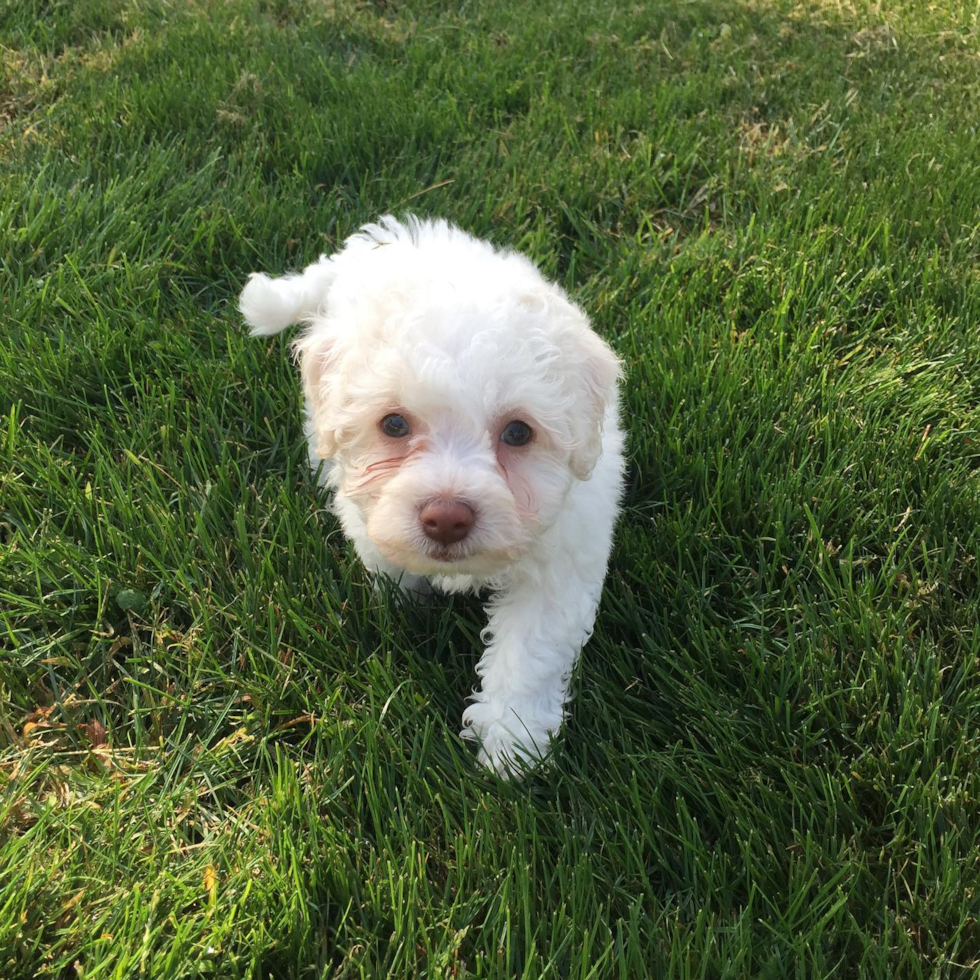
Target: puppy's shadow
435,636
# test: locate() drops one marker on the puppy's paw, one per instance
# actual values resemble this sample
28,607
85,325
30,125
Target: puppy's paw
509,745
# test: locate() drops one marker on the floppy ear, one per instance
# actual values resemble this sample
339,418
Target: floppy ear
593,371
318,356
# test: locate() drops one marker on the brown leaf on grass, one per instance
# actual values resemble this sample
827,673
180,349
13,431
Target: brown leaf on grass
40,713
95,733
37,721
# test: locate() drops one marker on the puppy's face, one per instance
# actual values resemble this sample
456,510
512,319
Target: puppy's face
446,492
457,423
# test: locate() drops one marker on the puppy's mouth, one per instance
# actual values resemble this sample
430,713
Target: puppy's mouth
447,555
450,560
455,559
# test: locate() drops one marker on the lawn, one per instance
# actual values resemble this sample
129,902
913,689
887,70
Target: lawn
223,755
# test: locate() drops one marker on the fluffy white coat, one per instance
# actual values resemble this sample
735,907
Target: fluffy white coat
419,321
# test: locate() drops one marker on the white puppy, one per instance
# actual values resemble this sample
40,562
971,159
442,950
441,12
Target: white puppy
466,415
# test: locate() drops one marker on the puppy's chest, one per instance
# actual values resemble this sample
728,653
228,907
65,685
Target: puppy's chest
451,584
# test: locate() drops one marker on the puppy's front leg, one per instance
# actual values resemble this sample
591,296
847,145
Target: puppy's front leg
536,629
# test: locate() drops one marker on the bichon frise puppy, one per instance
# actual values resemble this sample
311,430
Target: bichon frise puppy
466,417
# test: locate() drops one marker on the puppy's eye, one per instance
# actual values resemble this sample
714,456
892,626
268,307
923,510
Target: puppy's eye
395,426
516,433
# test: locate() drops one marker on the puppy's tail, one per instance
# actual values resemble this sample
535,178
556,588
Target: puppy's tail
270,305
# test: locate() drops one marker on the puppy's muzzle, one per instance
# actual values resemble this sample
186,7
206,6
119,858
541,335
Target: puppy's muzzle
446,521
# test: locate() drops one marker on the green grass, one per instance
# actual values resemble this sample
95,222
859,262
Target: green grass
221,755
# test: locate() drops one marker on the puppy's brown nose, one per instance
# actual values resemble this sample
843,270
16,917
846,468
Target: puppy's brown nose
447,521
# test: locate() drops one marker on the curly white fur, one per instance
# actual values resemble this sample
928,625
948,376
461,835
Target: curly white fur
420,319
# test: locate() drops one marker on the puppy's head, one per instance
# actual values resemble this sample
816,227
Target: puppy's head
459,394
